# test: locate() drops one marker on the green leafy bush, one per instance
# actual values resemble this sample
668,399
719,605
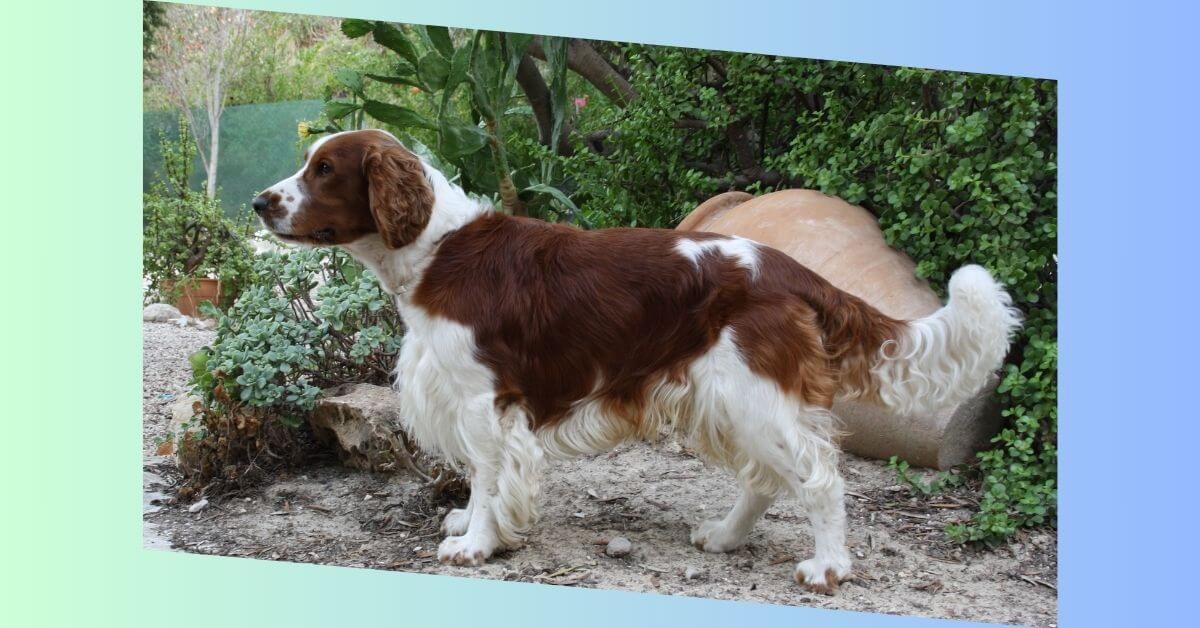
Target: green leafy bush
310,319
185,234
458,102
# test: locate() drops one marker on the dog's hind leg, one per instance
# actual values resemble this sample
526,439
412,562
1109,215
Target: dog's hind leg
809,465
729,533
776,443
826,511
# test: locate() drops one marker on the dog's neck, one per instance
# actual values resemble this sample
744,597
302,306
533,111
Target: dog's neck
399,270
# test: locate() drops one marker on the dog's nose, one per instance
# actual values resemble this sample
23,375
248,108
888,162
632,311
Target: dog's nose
260,204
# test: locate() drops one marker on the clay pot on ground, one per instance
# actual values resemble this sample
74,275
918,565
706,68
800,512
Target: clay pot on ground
843,243
192,292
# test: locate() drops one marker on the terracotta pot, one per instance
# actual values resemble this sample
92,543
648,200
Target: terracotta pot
193,292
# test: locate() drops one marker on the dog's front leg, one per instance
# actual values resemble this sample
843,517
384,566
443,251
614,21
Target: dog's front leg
457,520
474,537
504,490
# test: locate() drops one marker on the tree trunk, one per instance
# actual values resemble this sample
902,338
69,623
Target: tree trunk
534,86
214,149
216,106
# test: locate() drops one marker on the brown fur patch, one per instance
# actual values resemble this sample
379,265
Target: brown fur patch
400,197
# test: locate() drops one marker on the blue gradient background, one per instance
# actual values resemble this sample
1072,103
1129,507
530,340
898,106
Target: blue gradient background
70,506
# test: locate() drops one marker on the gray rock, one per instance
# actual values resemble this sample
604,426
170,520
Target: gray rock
198,506
618,547
160,313
362,423
183,430
693,573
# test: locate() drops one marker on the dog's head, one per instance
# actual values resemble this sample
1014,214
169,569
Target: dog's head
352,184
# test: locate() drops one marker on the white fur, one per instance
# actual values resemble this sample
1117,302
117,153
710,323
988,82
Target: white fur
743,250
723,410
945,358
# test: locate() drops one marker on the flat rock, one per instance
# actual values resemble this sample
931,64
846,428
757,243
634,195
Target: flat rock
160,313
362,423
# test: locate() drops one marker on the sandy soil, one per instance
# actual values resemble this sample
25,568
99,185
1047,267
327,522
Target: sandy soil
651,495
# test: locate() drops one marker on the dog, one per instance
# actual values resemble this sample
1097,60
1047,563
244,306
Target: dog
529,340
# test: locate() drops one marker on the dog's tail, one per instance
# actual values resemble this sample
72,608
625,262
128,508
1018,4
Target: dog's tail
943,359
927,364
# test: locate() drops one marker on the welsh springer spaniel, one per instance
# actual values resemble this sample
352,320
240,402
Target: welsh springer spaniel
527,339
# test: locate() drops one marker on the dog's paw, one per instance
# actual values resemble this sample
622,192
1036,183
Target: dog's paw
713,536
455,523
822,576
465,550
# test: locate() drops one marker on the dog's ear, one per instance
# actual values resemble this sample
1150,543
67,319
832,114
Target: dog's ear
400,196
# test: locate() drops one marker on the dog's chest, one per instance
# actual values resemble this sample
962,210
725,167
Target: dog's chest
446,394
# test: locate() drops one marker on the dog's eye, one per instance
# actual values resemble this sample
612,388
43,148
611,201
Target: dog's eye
324,168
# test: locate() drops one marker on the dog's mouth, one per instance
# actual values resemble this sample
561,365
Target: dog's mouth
320,236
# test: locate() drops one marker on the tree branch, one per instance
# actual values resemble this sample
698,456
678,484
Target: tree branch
583,60
743,147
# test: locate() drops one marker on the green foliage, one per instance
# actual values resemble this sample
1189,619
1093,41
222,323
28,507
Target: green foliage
310,319
960,168
153,18
185,234
940,482
459,103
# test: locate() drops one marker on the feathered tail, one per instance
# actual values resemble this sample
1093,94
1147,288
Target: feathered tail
943,359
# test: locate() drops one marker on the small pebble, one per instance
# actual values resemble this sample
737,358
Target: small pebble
619,546
198,506
693,573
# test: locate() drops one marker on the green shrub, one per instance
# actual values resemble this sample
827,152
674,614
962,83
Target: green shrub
310,319
185,234
458,104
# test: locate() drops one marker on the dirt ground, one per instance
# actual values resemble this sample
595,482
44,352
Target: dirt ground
651,495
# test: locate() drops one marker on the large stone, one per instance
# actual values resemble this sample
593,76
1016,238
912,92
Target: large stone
362,423
183,433
843,243
160,313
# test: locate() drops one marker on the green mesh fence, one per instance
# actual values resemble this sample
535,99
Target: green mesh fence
259,146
